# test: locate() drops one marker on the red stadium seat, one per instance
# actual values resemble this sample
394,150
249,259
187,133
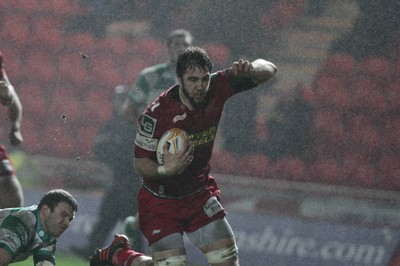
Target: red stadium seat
45,23
392,97
223,162
330,92
72,70
12,62
289,168
282,14
84,139
322,149
149,49
39,67
103,71
27,7
32,140
256,165
33,100
367,97
260,131
115,46
308,95
357,120
391,135
327,135
325,171
81,43
57,140
375,67
65,107
96,106
47,33
389,166
341,65
357,171
56,8
364,136
49,39
219,53
16,30
328,126
132,68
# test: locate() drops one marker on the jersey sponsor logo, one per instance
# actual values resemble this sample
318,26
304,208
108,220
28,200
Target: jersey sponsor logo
146,143
179,117
212,206
203,137
147,125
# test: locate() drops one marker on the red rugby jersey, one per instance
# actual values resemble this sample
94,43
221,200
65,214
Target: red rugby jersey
167,112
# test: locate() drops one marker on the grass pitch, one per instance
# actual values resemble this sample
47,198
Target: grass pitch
62,259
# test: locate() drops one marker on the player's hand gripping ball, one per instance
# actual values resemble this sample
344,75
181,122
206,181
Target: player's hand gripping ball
175,139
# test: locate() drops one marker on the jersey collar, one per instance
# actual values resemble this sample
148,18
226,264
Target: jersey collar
40,230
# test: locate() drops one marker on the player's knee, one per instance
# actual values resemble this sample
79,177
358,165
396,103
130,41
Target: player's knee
222,255
175,260
142,261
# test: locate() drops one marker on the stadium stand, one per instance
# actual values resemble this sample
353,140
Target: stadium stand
355,102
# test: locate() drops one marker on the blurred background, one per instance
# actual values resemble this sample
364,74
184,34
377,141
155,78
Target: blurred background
309,164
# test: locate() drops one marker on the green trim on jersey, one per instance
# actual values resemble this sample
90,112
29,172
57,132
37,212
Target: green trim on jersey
16,225
22,234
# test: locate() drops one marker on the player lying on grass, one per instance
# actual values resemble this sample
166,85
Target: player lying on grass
34,230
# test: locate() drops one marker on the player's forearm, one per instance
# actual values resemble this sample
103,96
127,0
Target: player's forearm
15,114
149,169
44,263
263,70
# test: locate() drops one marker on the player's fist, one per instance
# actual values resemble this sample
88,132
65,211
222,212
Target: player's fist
241,68
16,138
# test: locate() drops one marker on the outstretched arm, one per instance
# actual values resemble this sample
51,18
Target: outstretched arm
10,99
259,70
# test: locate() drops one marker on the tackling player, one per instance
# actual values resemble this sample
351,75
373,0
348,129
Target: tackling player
181,196
34,230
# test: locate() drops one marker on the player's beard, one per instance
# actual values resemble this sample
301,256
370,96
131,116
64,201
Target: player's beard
191,99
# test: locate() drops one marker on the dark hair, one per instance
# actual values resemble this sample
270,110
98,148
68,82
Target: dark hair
55,196
179,33
193,57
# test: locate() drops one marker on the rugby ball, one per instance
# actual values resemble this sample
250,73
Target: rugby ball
174,138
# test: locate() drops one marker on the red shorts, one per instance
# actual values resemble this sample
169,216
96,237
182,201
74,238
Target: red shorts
161,217
6,168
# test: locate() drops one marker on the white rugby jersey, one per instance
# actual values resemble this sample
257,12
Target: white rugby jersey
22,235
